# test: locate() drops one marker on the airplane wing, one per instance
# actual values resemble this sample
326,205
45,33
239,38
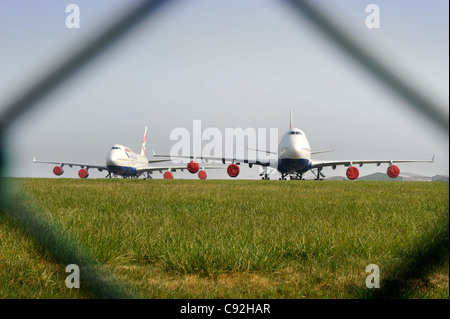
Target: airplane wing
320,164
159,161
160,169
139,171
216,158
85,166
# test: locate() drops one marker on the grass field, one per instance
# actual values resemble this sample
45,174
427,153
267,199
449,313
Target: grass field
233,239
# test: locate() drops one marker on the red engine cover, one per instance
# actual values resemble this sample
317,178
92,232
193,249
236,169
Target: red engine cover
202,175
83,173
193,167
393,171
352,173
58,170
168,175
233,170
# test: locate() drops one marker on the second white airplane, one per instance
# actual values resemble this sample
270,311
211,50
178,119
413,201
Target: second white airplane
294,159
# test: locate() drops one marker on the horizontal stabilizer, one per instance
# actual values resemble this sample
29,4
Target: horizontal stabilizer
319,152
267,152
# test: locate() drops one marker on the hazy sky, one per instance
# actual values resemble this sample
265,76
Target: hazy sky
233,63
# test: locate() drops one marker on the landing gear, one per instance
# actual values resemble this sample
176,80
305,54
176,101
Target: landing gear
319,176
266,176
296,177
291,176
148,176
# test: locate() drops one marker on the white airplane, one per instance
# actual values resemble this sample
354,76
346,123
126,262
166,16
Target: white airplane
122,161
294,159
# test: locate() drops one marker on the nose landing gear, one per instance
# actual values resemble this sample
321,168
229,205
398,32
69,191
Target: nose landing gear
292,176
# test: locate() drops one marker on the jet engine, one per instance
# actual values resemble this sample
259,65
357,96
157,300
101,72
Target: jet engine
202,175
352,173
83,173
233,170
58,170
393,171
168,175
193,167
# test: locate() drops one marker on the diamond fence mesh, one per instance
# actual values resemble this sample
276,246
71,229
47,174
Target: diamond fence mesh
101,283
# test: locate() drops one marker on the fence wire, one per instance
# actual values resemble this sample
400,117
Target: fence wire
414,96
100,282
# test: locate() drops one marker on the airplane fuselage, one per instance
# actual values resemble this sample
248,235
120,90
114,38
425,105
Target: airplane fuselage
294,153
121,160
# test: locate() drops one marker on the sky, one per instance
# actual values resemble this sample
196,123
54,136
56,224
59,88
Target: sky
230,64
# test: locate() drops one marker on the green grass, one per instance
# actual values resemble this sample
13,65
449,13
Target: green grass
237,239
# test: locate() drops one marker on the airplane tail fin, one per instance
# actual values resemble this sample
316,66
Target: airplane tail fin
144,142
291,124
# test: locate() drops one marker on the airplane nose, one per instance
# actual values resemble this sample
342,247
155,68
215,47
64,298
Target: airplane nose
295,151
111,159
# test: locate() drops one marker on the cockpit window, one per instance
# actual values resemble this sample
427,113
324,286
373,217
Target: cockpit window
116,148
295,133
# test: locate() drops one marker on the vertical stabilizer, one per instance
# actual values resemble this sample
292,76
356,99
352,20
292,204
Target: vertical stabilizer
144,142
291,123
